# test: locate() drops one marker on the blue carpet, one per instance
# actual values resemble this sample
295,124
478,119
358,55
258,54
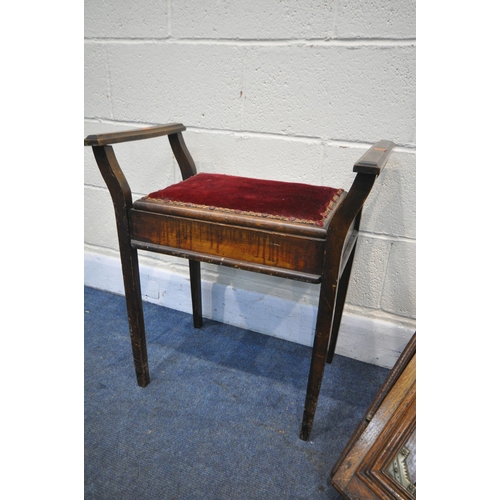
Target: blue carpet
221,416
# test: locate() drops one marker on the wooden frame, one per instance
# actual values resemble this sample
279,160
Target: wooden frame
322,255
365,469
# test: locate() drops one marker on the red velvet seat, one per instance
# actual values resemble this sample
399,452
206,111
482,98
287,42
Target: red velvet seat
292,230
284,201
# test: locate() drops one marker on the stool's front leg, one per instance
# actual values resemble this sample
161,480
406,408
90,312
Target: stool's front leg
330,290
324,320
122,202
133,296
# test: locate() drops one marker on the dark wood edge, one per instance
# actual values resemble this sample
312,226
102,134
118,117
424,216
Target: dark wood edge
350,241
374,160
133,135
398,369
182,155
114,178
402,362
223,261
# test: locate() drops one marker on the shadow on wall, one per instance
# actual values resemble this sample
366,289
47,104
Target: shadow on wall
265,313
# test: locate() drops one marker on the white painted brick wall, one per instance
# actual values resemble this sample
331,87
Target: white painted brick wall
259,19
278,89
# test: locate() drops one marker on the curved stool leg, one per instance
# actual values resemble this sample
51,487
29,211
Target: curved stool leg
122,202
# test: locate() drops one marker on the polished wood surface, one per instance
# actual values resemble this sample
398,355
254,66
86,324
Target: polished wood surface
268,248
133,135
122,203
379,462
298,251
374,160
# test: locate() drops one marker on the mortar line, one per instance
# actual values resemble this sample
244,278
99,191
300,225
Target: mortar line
380,315
316,42
385,237
263,135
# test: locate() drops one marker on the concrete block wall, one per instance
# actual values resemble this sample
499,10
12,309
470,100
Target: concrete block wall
280,89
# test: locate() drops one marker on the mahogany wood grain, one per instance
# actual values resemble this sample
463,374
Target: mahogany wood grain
280,272
244,244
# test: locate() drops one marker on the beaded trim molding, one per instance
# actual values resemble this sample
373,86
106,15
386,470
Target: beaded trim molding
320,223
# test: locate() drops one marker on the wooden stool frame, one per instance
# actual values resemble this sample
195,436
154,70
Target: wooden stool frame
139,225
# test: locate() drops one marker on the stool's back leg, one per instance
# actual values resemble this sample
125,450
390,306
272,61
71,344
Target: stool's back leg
195,278
339,304
188,169
342,292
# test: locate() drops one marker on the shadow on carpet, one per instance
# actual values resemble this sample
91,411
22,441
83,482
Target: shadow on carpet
222,414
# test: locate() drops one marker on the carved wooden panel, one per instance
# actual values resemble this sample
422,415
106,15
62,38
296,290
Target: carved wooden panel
379,462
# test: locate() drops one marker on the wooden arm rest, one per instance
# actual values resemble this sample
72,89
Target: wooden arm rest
374,160
133,135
